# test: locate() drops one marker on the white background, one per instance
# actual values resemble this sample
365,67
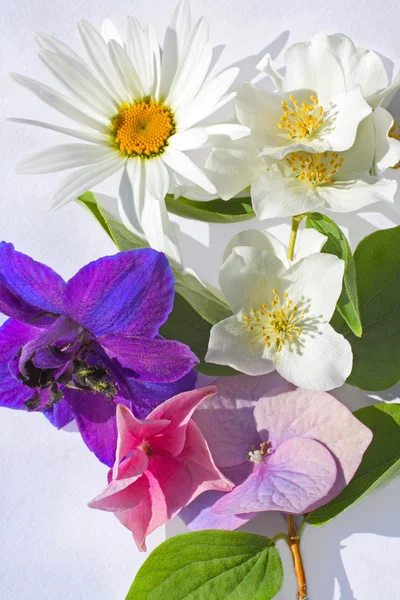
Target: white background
52,546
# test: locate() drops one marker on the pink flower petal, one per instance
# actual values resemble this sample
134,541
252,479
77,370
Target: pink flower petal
320,416
300,472
227,419
116,497
178,410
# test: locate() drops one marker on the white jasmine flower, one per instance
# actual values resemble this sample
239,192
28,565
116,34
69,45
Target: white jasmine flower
281,316
364,68
312,111
303,181
137,108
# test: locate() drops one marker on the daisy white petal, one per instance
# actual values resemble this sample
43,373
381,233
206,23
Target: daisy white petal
127,73
189,139
61,103
66,156
132,194
193,66
209,99
48,42
139,52
157,178
176,38
84,179
182,164
110,32
94,138
99,55
80,82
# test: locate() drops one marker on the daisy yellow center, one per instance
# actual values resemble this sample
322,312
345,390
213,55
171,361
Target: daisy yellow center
394,132
277,323
143,129
301,120
315,168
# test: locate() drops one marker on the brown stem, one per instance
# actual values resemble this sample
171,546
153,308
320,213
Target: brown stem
294,545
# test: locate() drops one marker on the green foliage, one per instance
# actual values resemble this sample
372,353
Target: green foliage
380,464
210,565
212,211
196,307
376,354
338,245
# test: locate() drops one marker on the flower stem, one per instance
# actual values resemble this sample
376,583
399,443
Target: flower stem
294,545
293,234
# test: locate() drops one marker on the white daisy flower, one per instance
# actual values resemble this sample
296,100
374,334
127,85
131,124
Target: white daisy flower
138,107
281,314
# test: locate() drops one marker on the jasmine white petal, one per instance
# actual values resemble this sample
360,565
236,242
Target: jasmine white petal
384,97
351,109
316,281
310,66
345,196
276,195
247,277
94,138
234,167
265,65
182,164
84,179
259,110
66,156
232,344
323,363
258,239
66,106
219,135
309,241
189,139
387,149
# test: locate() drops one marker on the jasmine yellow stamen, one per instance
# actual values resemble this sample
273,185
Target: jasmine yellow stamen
317,169
301,121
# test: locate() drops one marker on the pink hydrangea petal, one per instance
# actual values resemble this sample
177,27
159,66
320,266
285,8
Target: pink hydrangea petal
300,472
119,497
137,520
132,431
179,410
204,474
320,416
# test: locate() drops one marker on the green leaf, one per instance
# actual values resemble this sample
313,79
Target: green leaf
210,565
196,308
212,211
380,464
187,326
338,245
376,356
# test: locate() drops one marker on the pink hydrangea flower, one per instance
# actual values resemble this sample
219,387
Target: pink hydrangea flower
285,448
162,463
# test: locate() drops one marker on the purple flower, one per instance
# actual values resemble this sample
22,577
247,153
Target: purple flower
75,350
285,448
